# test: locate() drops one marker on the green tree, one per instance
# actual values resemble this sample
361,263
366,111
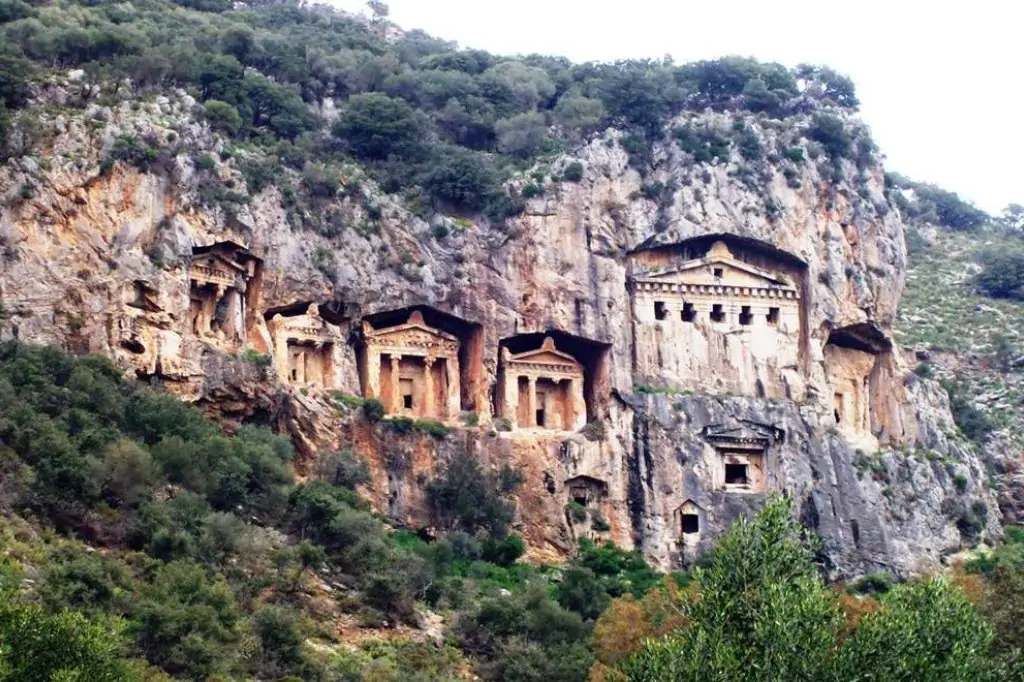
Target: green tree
222,116
926,631
522,135
36,646
578,114
462,177
763,612
1002,274
466,497
375,126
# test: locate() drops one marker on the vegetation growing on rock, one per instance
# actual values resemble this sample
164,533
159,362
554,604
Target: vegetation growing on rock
418,111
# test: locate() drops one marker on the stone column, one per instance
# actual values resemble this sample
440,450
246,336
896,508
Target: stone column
279,347
531,402
579,404
211,308
300,367
372,370
510,409
396,384
453,401
428,388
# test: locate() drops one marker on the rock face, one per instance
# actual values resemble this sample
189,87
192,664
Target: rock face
657,353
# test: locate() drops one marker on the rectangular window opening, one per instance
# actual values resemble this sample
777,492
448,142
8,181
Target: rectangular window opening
405,386
745,315
579,496
688,314
540,417
736,474
773,316
660,313
717,313
718,273
691,524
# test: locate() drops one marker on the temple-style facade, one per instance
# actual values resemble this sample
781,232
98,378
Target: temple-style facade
219,277
716,322
412,368
741,450
721,290
306,348
542,388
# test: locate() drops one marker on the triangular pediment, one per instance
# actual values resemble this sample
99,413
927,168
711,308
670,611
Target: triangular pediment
718,267
743,433
546,354
545,357
586,481
413,332
717,271
218,262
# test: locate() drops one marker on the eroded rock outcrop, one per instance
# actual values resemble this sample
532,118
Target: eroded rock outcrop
657,353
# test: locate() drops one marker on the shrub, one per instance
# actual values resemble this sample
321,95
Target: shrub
186,621
830,132
573,172
594,430
257,358
794,154
580,114
533,190
432,427
222,116
462,177
522,135
205,162
969,419
375,126
466,497
35,645
503,552
704,143
280,638
1002,274
373,409
577,512
924,370
749,143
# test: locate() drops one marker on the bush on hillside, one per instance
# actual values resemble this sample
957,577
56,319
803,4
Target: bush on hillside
1002,274
468,498
763,613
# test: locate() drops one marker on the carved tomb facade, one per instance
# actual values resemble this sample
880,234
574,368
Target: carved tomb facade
307,349
412,368
219,281
717,323
542,388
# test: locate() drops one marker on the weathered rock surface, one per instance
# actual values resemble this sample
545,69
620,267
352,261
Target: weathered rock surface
96,258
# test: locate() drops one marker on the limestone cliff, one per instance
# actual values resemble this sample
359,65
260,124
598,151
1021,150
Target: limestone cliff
780,376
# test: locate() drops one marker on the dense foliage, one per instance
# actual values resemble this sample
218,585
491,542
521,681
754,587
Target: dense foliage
419,113
1002,274
212,555
761,612
920,201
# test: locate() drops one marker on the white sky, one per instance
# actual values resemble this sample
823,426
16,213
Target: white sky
939,80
